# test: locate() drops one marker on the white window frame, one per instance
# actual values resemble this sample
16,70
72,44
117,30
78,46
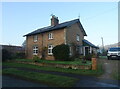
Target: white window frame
35,50
78,37
35,38
77,48
50,35
70,48
81,50
50,47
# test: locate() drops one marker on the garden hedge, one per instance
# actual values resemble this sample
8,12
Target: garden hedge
61,52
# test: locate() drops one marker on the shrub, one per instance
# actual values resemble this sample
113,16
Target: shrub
6,55
20,55
88,57
61,52
77,59
72,58
94,55
82,57
35,58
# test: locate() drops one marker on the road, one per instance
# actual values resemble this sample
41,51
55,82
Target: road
8,81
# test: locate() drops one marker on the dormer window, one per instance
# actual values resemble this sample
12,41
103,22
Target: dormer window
50,36
35,38
78,37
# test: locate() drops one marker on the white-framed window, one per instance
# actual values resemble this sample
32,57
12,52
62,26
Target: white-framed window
35,38
78,37
35,50
50,36
81,50
50,47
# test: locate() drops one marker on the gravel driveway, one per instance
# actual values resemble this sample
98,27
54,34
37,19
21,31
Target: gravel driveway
110,67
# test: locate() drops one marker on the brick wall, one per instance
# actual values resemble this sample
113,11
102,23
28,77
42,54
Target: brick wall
61,36
71,34
58,38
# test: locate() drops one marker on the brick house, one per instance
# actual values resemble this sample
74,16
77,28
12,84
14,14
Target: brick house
71,33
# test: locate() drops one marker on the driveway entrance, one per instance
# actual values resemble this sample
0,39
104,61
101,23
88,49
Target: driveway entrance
110,68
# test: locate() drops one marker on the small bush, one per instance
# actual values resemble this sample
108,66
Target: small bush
82,57
20,55
77,59
6,55
61,52
88,57
72,58
94,55
35,58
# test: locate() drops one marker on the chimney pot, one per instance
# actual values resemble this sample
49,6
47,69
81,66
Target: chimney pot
54,20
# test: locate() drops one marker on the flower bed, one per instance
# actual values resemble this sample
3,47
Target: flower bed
71,66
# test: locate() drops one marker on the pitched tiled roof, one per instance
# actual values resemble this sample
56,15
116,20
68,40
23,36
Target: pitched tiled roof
56,27
89,43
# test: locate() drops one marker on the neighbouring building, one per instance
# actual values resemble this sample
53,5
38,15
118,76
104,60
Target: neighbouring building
71,33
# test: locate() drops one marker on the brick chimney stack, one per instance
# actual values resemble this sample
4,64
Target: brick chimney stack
54,20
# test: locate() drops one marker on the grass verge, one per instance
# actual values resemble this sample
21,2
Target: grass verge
97,72
116,75
52,80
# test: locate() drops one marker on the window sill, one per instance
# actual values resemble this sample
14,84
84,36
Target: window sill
35,41
35,54
50,54
50,39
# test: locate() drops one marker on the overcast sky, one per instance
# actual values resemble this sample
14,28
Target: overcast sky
99,19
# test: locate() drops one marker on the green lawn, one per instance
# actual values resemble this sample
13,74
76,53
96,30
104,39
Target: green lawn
97,72
78,62
103,57
50,79
24,60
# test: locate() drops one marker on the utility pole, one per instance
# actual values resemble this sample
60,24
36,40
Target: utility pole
79,16
102,43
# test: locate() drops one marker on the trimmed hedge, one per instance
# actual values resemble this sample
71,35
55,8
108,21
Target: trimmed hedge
6,55
20,55
61,52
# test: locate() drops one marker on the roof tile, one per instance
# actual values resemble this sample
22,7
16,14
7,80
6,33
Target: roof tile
56,27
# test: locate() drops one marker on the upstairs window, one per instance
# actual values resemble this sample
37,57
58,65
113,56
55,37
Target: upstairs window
50,36
50,47
35,50
35,38
78,37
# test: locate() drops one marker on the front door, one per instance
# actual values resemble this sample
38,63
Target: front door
86,50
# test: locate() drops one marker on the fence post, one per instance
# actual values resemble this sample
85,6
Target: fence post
94,63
